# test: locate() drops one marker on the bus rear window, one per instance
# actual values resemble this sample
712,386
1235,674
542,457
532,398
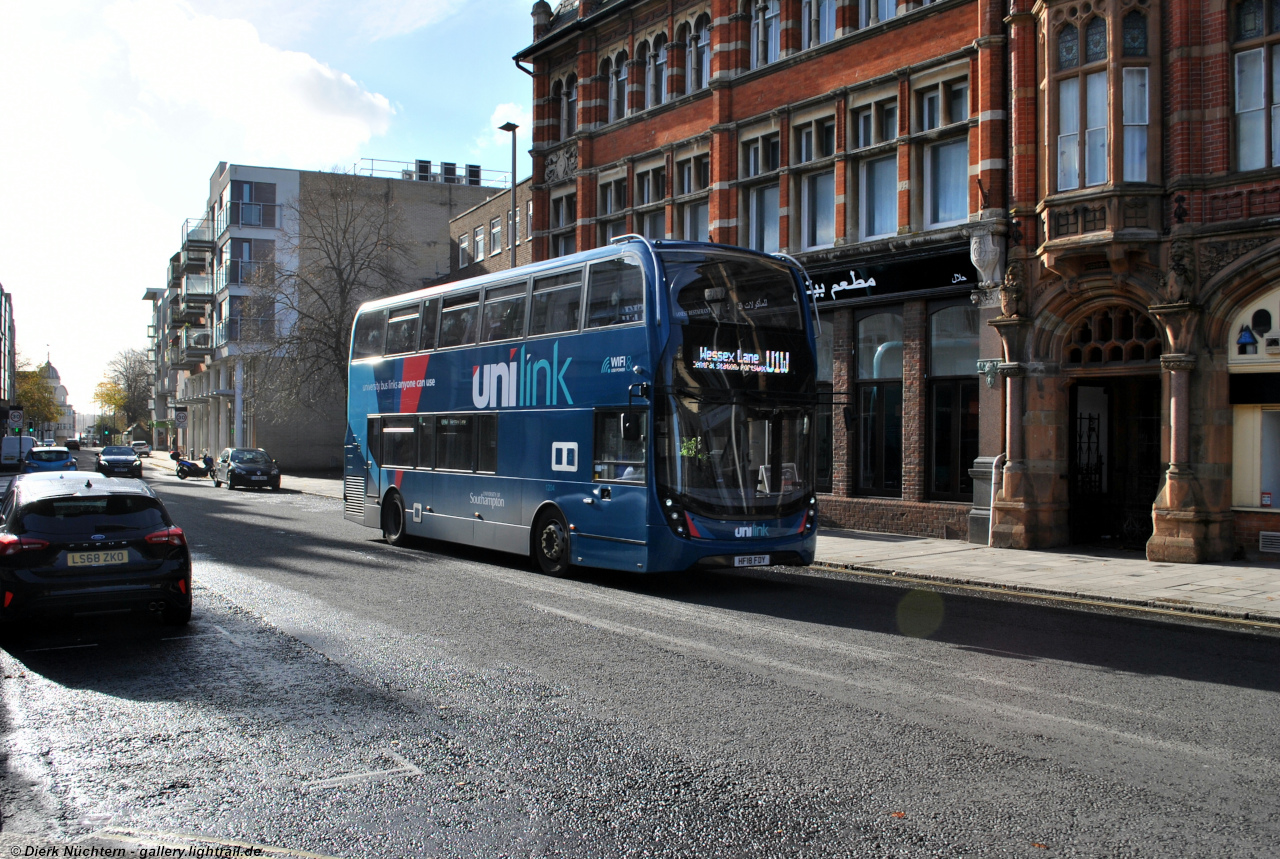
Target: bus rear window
366,342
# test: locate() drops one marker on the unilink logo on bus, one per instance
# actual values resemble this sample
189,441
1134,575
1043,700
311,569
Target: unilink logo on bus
516,382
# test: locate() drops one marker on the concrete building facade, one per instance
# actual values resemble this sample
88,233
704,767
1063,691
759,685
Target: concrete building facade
208,328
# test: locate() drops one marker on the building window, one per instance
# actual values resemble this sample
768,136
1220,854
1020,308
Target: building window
479,244
651,186
878,402
1082,106
613,201
817,22
1135,124
569,112
1135,35
694,222
698,58
875,11
762,218
814,140
762,155
818,210
766,32
528,221
953,401
1257,84
658,72
495,236
947,182
564,217
618,88
464,257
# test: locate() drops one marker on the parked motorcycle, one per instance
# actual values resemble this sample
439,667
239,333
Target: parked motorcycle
187,468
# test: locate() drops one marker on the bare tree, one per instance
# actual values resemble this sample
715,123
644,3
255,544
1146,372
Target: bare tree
126,388
343,242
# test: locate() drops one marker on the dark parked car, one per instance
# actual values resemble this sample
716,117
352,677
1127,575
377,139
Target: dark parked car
246,466
119,460
84,544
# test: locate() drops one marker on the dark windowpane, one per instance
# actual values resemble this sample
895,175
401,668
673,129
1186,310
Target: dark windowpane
615,293
487,443
366,342
455,442
458,319
1135,34
1095,40
1249,19
430,310
503,313
1275,16
399,447
1068,47
943,429
402,330
880,430
427,441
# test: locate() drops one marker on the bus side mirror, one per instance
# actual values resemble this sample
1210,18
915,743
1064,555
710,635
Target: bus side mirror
630,426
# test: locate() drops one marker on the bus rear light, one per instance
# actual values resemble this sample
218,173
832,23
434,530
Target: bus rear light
8,598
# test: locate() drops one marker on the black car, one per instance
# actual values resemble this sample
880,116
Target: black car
72,444
83,544
246,466
119,460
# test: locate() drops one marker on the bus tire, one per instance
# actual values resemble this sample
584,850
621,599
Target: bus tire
393,526
551,544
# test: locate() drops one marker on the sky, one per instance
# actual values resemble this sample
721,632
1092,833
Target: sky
114,113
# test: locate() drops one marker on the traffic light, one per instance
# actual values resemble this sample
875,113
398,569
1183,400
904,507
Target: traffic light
31,427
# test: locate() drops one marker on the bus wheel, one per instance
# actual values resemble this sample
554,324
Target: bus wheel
393,529
551,544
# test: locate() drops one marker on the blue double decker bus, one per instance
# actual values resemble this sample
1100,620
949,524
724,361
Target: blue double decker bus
644,406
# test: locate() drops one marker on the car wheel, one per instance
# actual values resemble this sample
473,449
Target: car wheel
551,544
393,526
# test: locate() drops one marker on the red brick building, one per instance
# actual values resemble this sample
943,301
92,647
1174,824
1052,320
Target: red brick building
1041,231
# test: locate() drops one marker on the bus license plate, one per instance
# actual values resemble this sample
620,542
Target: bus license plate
96,559
751,560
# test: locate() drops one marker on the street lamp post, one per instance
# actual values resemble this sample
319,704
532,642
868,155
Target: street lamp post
511,235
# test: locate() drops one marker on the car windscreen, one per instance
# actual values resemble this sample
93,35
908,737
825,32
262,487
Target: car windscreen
117,451
48,456
250,457
96,514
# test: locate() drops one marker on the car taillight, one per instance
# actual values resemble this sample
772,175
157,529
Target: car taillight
173,536
12,544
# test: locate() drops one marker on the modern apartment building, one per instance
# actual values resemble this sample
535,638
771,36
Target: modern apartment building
1043,236
208,327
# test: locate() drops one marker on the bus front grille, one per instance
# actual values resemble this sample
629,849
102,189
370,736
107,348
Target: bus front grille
353,496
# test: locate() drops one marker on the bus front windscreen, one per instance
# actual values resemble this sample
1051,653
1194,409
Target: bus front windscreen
732,432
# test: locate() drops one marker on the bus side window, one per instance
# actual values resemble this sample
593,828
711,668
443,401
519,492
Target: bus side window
458,319
615,293
402,330
375,441
366,341
430,311
503,312
620,445
399,447
557,300
426,441
487,443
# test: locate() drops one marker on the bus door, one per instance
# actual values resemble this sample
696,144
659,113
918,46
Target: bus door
612,527
373,473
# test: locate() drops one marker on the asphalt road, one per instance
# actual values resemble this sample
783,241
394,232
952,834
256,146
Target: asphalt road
342,697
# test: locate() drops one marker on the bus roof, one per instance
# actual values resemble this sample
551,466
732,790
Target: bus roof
616,248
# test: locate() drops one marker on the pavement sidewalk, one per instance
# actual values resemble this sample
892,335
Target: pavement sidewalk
1241,594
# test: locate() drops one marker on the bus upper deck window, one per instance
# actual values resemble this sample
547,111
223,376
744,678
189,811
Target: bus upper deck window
503,313
458,318
402,330
557,300
366,342
615,293
430,310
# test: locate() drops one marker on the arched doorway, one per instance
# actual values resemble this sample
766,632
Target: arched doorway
1112,357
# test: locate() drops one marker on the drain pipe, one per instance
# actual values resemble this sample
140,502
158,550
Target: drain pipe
995,471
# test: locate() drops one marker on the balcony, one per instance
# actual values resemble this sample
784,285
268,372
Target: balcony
197,233
1080,226
244,329
239,273
197,295
196,342
256,215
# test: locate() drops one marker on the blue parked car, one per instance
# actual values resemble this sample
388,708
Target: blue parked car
48,459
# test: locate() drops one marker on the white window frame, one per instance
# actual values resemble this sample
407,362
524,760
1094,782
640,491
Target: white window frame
478,249
464,253
760,226
1135,112
866,197
931,181
495,236
811,197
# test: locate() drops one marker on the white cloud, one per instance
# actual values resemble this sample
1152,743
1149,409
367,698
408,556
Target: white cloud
491,137
382,19
114,117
